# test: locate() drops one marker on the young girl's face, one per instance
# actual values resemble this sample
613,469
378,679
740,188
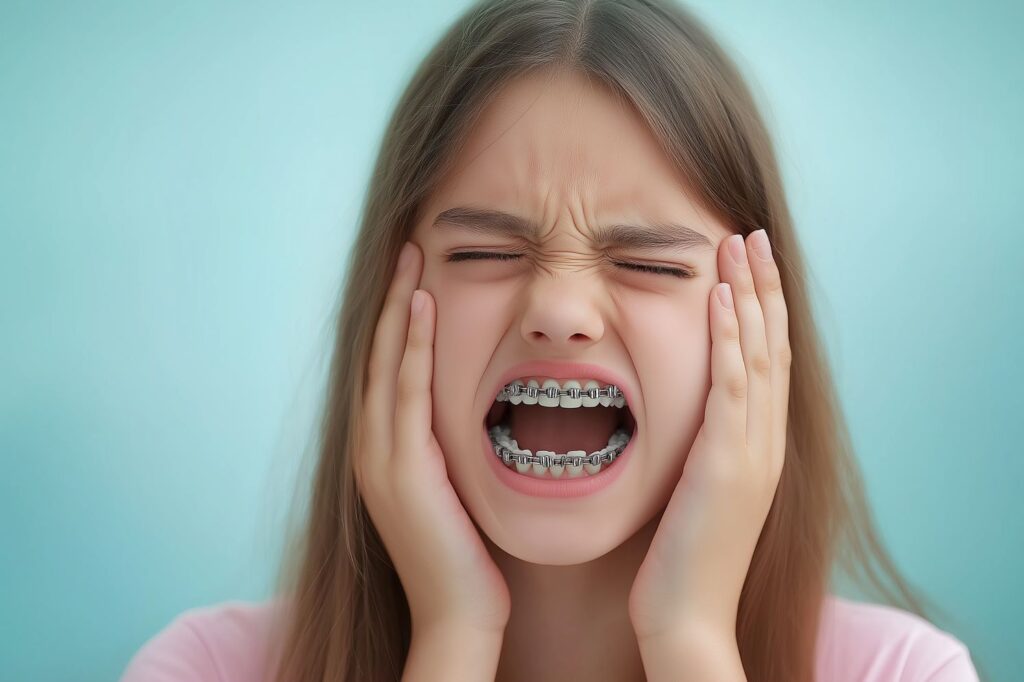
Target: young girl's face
569,157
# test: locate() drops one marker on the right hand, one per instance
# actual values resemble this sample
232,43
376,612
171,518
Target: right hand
450,579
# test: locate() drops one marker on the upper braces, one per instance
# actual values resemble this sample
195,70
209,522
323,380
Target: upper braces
552,392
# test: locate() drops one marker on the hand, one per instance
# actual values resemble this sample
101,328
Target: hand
692,576
449,578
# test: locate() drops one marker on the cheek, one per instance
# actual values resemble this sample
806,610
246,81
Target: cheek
470,323
670,345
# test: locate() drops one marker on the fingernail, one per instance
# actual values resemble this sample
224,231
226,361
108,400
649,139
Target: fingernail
418,299
738,249
725,295
761,246
405,257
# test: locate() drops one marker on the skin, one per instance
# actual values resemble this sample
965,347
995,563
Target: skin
568,156
637,573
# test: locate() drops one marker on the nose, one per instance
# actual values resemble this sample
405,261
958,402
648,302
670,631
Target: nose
561,315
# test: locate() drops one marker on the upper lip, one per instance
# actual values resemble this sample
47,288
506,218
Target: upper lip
564,370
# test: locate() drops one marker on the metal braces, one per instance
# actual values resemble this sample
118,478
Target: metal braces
553,392
594,458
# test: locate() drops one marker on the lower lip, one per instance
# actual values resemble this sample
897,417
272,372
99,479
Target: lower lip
556,487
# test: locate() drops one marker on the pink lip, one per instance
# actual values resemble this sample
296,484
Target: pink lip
563,370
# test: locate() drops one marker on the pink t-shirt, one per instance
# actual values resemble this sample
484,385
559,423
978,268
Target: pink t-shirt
858,642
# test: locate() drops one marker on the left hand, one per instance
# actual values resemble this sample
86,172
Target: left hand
691,578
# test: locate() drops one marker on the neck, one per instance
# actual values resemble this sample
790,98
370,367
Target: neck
572,622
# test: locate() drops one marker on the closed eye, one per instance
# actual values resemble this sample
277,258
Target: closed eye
681,273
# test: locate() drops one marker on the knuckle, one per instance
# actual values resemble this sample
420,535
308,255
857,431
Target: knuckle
761,364
736,386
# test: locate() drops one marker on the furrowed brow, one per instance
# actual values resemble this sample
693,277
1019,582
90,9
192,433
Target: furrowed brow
650,236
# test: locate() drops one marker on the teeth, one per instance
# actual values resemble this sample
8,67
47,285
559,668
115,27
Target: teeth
516,398
575,471
569,401
527,400
500,439
539,468
546,401
518,393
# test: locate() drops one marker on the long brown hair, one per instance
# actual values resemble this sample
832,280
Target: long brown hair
347,616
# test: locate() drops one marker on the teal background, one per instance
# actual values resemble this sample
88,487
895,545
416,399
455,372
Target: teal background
179,184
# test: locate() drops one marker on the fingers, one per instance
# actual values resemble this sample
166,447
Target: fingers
386,353
413,400
735,264
726,414
776,315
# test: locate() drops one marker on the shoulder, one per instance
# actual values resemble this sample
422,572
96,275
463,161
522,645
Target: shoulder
879,643
225,642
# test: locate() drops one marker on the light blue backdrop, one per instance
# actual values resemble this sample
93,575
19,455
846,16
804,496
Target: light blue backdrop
178,187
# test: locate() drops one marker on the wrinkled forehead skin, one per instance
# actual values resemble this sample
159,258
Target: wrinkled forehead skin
569,154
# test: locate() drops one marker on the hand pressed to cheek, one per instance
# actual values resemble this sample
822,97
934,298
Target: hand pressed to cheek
728,484
764,338
755,364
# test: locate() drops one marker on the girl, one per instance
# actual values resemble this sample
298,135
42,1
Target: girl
580,422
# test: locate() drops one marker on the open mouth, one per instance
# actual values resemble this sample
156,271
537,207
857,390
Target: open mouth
559,429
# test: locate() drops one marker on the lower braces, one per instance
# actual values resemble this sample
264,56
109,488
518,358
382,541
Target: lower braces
594,458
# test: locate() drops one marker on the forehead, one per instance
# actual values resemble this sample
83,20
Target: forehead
554,141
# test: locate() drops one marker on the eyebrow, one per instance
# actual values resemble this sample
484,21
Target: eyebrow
647,236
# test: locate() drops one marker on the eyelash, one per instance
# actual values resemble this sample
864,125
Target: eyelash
681,273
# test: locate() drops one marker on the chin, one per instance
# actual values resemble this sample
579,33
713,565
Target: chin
560,544
544,531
